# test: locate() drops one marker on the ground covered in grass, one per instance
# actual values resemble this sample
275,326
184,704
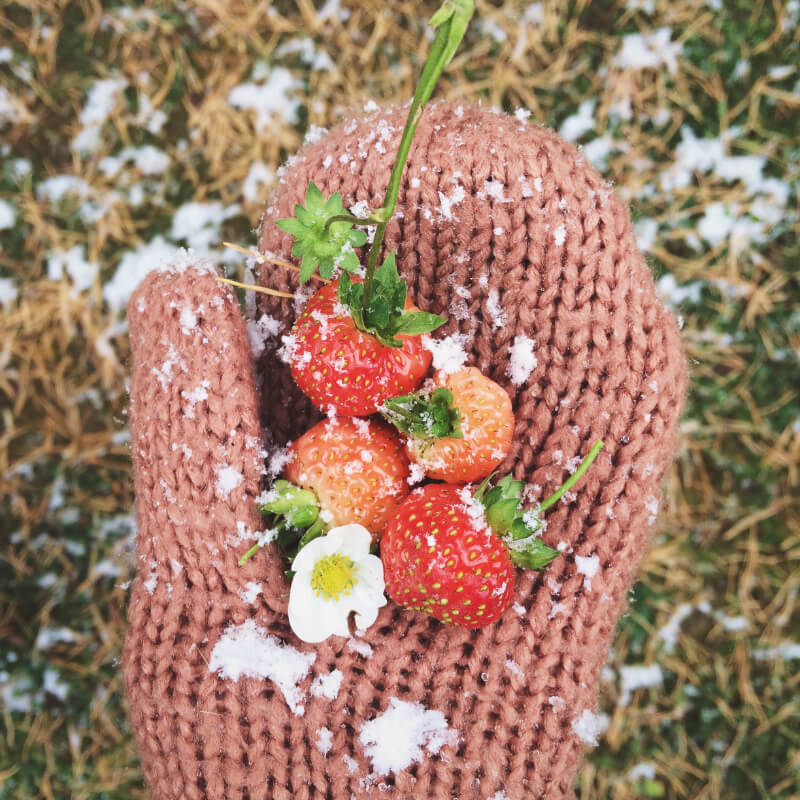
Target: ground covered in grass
130,129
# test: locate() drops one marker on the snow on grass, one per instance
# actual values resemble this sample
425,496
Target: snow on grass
649,50
53,684
100,103
396,738
199,223
327,685
670,632
307,52
580,123
8,293
247,650
148,160
449,354
646,231
674,295
272,94
642,771
788,651
73,263
589,726
638,676
8,215
48,637
259,176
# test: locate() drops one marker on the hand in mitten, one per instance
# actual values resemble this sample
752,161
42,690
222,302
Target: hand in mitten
505,230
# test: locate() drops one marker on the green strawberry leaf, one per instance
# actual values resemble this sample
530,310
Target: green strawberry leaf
384,315
417,322
320,243
425,416
533,554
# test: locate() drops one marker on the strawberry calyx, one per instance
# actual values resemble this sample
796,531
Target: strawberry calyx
294,519
521,528
324,236
382,314
425,415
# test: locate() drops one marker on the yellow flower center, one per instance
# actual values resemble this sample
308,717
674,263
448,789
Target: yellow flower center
333,575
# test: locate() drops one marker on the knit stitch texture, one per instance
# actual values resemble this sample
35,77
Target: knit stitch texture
504,228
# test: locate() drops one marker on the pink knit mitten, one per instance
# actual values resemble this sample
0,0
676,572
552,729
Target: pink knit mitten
504,229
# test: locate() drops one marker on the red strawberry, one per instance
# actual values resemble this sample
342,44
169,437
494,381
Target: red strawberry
439,556
337,365
356,467
484,419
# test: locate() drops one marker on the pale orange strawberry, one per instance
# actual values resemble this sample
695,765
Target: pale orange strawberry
356,467
487,424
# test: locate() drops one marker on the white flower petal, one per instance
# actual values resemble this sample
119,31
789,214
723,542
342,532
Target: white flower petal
354,541
314,619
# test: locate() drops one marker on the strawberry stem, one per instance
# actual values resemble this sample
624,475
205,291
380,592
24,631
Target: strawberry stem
574,478
452,20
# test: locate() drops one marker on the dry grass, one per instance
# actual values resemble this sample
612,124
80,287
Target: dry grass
720,723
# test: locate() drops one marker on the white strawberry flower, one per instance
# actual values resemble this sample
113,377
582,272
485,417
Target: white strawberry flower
335,574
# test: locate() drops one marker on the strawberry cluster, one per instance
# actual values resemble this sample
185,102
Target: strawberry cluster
447,548
357,350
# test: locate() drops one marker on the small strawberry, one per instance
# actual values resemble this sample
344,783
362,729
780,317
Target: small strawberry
451,553
461,442
341,362
356,468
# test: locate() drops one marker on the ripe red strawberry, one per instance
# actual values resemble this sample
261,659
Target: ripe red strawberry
439,556
484,418
337,365
356,467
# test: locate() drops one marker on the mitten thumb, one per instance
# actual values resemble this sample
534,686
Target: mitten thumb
196,439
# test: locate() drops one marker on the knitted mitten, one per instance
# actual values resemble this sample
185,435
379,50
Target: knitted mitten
503,228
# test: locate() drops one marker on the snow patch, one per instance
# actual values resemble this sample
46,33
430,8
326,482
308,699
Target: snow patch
588,567
247,650
395,739
449,354
327,685
228,479
521,361
252,589
638,677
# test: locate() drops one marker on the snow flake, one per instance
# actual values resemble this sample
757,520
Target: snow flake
252,589
521,361
588,567
448,353
228,479
324,740
396,738
589,726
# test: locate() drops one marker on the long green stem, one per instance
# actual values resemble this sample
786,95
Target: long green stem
574,478
452,19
